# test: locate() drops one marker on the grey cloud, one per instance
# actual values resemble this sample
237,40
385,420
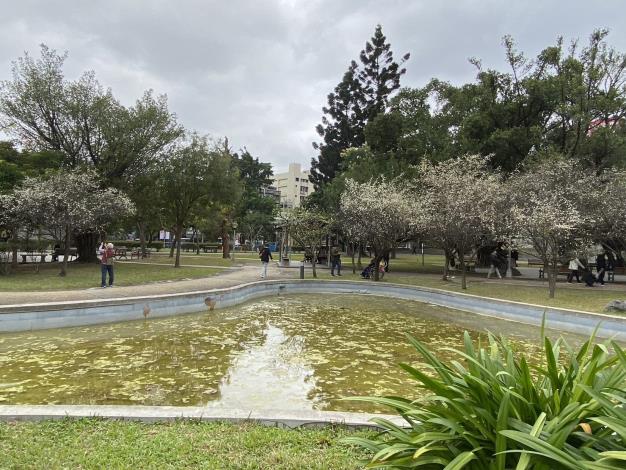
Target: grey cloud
259,71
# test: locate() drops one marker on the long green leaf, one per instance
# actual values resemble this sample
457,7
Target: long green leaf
524,459
501,425
545,449
460,461
614,454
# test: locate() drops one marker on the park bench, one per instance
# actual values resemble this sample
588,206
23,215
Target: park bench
136,253
563,270
32,255
470,265
61,251
121,252
538,262
616,270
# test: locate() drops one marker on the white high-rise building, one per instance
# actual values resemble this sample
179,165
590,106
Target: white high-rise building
294,186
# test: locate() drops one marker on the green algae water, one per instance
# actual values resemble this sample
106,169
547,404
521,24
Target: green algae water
292,352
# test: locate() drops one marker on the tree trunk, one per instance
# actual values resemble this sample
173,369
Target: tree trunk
509,267
86,246
392,255
358,262
328,261
16,241
353,265
225,239
552,273
179,233
66,252
196,240
173,244
462,266
377,260
141,227
314,254
225,245
446,264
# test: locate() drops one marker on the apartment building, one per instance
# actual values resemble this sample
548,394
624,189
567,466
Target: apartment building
294,186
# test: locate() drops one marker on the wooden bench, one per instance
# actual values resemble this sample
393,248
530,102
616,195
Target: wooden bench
470,265
33,257
120,252
562,270
136,253
61,252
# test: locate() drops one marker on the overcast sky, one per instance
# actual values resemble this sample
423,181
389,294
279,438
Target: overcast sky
258,71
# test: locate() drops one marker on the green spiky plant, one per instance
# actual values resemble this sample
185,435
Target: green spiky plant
492,411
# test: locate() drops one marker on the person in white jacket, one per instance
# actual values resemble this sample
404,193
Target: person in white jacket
574,264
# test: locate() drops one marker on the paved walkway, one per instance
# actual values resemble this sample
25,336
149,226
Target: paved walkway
529,277
248,273
228,278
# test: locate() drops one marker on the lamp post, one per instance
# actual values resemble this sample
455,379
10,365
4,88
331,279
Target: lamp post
232,253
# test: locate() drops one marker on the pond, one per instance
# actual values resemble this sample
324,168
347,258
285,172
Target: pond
293,352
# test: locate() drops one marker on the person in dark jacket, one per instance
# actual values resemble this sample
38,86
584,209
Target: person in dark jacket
610,261
601,267
265,255
335,259
588,278
494,264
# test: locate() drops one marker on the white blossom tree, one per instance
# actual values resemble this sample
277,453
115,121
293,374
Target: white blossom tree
549,209
605,205
308,228
378,212
11,220
351,228
83,121
69,203
457,205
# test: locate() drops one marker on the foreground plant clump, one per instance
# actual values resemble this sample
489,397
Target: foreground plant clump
493,411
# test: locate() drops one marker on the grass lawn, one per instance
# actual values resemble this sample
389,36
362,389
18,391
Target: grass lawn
93,443
592,300
81,276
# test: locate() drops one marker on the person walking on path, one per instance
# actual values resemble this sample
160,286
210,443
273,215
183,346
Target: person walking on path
494,261
106,263
335,259
574,264
266,256
601,267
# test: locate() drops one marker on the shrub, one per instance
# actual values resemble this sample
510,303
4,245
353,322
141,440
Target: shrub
156,245
494,411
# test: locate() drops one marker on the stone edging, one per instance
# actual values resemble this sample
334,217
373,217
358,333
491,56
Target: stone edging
151,414
25,317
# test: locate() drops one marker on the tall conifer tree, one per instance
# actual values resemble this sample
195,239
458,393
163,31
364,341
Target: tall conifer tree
380,75
341,128
361,95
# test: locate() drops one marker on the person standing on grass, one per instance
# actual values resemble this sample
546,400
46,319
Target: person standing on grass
494,262
335,259
106,263
266,256
601,266
574,264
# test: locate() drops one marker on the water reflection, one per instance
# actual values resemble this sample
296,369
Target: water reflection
272,374
299,352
